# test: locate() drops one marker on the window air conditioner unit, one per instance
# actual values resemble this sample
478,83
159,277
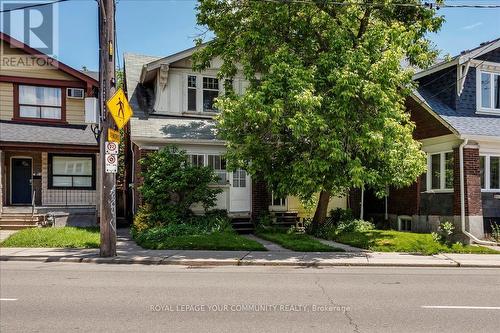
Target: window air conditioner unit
77,93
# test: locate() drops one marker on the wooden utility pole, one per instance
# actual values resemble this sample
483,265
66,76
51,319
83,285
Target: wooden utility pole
106,90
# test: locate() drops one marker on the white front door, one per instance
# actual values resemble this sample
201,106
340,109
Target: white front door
240,192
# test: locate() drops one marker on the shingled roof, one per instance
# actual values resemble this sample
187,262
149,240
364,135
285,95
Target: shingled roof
80,135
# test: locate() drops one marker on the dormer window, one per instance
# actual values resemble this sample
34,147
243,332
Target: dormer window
488,92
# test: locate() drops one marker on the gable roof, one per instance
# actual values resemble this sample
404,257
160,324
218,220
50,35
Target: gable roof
59,65
461,58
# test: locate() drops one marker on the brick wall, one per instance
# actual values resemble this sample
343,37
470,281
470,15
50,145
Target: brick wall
472,182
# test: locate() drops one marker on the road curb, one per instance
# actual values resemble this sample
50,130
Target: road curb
235,262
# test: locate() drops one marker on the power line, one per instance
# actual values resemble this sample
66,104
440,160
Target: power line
429,5
32,6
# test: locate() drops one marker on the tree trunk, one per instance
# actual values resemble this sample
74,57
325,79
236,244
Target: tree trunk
321,210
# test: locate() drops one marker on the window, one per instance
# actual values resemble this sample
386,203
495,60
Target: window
277,200
489,169
191,93
489,91
440,171
494,172
218,164
40,102
71,171
239,178
197,159
210,93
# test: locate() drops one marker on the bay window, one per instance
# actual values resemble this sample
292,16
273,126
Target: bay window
40,102
440,171
71,171
488,91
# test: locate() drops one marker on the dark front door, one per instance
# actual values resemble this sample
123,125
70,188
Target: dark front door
21,181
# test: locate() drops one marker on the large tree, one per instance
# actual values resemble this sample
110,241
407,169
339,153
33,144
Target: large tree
325,108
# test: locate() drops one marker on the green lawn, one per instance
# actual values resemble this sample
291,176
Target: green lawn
397,241
69,237
215,241
297,242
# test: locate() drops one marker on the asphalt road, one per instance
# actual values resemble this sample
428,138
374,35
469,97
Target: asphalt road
63,297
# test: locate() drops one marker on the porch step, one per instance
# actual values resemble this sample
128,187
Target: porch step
242,225
285,219
17,220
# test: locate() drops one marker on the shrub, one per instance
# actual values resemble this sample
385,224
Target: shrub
214,221
172,185
339,215
142,219
355,226
495,231
444,233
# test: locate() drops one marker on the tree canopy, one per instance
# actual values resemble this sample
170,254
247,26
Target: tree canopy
325,108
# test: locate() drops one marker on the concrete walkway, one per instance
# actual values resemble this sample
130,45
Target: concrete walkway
4,234
346,248
270,246
129,253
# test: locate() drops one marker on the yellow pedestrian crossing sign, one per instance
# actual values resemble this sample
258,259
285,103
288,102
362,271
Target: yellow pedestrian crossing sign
119,108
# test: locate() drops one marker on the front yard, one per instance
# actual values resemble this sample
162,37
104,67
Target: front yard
222,241
296,242
69,237
397,241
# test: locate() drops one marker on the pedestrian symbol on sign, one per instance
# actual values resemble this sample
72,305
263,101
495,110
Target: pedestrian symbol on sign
119,108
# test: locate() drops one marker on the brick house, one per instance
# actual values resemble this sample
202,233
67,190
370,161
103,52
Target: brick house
48,154
456,109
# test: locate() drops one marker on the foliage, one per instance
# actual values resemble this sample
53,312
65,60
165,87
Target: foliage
495,231
172,185
296,242
397,241
355,226
222,241
68,237
142,219
339,215
325,107
444,233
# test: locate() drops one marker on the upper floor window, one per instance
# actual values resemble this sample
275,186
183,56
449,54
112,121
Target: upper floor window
489,91
40,102
210,93
201,93
440,171
489,167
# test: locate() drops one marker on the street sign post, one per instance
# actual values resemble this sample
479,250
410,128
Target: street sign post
119,108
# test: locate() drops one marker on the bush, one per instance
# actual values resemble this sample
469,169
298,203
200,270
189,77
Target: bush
355,226
172,185
213,221
495,231
142,219
444,233
339,215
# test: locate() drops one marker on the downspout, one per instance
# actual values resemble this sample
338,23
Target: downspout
473,238
362,213
132,186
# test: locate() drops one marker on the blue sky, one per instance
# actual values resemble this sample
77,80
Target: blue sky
162,27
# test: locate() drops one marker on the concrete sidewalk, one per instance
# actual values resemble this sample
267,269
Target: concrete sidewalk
261,258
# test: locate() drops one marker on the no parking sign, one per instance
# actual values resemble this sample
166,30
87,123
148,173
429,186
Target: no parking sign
111,157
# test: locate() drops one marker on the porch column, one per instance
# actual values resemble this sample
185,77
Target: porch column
472,191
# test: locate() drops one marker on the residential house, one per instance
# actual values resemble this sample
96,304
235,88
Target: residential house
48,155
174,105
456,109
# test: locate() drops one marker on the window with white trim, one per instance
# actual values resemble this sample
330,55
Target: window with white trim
239,178
40,102
277,201
489,167
191,93
196,159
210,93
488,91
440,171
201,93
